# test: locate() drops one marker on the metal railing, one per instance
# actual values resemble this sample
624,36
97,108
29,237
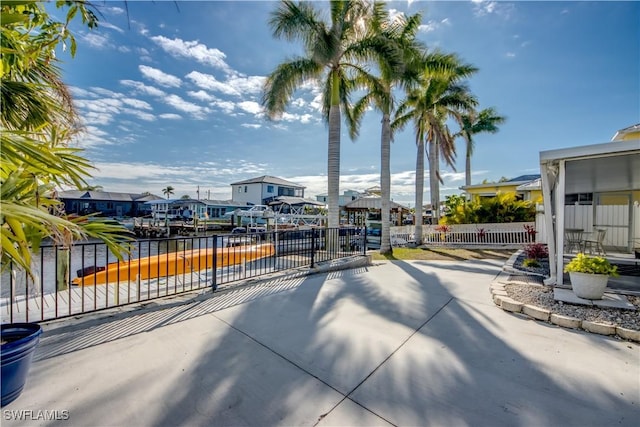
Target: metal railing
87,277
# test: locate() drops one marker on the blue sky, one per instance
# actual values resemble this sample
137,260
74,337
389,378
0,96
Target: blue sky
170,93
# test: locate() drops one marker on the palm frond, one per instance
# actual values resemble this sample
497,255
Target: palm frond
284,80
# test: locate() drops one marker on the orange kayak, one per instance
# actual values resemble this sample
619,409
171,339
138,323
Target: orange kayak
174,263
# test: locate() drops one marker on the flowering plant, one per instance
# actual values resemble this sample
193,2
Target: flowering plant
443,228
536,251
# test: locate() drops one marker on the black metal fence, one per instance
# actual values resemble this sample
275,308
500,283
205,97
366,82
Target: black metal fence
88,277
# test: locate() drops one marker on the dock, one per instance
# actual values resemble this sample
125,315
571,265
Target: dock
150,228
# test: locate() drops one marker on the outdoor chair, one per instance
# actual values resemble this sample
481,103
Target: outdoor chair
573,239
596,240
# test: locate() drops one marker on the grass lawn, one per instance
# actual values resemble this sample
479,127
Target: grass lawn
443,254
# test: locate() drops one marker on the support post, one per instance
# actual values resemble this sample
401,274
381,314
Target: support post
214,279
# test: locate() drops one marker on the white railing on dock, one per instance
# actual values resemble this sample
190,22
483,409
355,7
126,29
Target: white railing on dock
507,234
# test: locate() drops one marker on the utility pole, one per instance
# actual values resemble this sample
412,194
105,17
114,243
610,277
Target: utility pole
198,192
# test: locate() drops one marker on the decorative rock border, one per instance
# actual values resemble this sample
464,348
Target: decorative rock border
502,300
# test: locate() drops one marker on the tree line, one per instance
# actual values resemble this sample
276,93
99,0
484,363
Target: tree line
360,48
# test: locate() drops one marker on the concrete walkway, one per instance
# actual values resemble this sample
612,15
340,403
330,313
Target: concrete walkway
396,343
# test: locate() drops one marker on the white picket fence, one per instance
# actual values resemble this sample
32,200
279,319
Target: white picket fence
623,230
515,234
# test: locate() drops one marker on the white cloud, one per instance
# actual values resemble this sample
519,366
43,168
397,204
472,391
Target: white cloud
142,115
251,125
209,82
81,93
201,95
250,107
160,77
106,92
316,103
226,106
488,7
178,103
510,55
105,24
298,102
193,50
246,84
136,103
111,10
102,111
170,116
97,118
140,87
104,106
291,117
432,25
97,41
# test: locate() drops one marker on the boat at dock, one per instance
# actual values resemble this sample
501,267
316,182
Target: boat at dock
172,264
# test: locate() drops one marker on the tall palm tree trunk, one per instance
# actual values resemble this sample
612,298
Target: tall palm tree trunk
333,168
419,190
467,165
333,157
385,184
434,184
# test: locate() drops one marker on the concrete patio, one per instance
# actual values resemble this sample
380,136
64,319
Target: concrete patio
395,343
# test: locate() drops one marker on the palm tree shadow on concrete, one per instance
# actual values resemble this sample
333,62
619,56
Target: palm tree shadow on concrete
398,339
464,372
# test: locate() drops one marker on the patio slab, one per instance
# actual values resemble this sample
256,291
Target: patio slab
399,343
608,300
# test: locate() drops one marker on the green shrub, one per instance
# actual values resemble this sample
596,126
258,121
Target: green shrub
591,265
531,262
502,208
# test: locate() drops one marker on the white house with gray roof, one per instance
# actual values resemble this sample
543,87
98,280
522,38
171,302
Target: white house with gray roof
264,189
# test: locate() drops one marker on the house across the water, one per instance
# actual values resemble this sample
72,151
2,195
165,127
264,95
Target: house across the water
185,209
106,203
264,189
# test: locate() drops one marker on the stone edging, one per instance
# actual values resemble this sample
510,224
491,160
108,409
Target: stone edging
502,300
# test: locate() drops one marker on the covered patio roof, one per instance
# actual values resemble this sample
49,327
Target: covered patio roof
608,167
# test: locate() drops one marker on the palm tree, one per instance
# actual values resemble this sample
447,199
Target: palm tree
439,96
168,191
335,52
473,123
400,34
36,122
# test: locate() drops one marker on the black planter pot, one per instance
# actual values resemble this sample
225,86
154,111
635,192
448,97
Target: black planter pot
19,341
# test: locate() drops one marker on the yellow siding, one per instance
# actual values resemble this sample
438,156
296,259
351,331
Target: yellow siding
630,136
491,190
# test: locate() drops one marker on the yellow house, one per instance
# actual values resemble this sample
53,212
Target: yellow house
525,187
627,134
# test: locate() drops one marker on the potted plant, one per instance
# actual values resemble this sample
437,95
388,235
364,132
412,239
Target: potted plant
589,275
38,120
19,341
